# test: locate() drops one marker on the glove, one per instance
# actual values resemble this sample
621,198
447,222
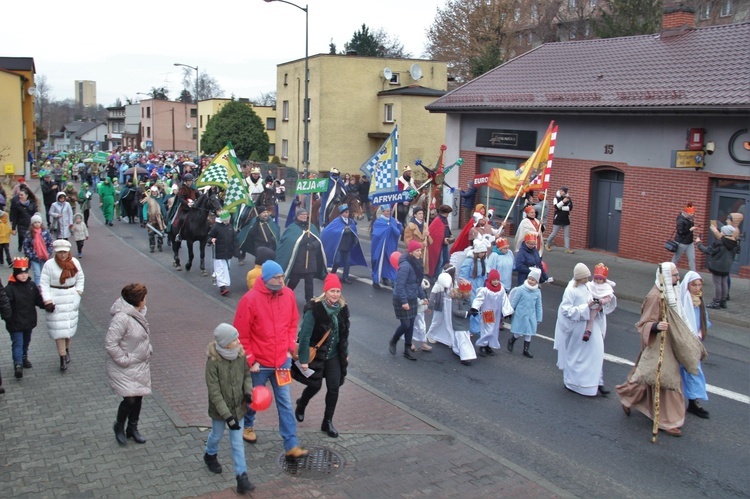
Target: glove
586,335
473,312
232,423
49,307
248,398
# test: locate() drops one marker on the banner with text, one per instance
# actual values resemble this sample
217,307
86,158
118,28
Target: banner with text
390,197
308,186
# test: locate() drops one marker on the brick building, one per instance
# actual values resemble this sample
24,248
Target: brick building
646,123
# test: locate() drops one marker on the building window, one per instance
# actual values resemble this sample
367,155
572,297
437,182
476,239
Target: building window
142,111
286,79
592,3
517,14
284,149
270,123
208,118
572,33
571,4
148,132
534,12
726,9
285,111
272,149
519,38
394,79
193,112
705,11
388,114
148,112
530,38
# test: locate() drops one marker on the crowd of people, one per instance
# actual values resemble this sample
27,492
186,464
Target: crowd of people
437,275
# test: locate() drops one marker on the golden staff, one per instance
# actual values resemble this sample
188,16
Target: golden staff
662,341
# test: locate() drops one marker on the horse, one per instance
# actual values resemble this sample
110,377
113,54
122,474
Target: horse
194,228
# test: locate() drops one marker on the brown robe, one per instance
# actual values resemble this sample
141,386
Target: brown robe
641,396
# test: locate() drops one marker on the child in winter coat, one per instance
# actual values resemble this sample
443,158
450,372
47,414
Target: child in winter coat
23,297
229,392
721,255
526,300
80,232
491,304
5,238
222,237
602,292
5,313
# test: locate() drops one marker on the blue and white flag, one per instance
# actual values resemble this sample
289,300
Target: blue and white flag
382,167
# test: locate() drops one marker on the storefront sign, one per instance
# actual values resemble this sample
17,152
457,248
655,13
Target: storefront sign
687,159
519,140
481,180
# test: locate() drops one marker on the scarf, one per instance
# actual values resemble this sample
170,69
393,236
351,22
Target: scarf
420,225
333,312
528,286
227,353
68,267
40,247
417,266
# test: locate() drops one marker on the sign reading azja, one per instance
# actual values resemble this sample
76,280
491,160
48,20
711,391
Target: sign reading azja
308,186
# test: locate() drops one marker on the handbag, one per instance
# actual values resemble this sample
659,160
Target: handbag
313,350
671,245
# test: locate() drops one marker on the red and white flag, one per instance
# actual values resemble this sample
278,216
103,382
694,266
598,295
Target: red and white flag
541,182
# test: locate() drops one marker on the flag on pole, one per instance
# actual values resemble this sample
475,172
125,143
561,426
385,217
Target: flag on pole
510,182
223,172
382,167
541,182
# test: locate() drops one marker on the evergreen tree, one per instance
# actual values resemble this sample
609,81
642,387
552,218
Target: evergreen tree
628,17
239,124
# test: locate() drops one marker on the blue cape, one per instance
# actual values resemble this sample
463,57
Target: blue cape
385,236
331,238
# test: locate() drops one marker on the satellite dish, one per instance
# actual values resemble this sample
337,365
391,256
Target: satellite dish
32,90
387,73
188,125
415,71
143,144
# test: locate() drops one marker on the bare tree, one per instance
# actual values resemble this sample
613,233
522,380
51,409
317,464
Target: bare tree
208,87
265,99
43,90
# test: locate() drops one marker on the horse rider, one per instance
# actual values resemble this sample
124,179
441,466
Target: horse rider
334,196
255,184
405,183
186,196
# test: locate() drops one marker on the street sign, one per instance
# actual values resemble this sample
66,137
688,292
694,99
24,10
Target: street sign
149,144
308,186
687,159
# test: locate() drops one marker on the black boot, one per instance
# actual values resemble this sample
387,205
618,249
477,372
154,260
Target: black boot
243,484
407,354
132,432
695,408
18,370
392,347
511,342
723,304
299,411
212,462
119,428
63,363
526,345
328,428
603,391
26,362
714,304
67,355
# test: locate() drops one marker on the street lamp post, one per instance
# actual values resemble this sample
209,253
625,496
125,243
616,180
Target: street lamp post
306,105
197,121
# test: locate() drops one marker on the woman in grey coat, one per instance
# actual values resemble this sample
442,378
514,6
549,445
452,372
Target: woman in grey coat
129,353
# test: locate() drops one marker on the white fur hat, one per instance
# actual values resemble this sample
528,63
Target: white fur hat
479,245
61,245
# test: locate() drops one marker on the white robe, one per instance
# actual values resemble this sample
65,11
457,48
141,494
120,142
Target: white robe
441,330
496,304
581,361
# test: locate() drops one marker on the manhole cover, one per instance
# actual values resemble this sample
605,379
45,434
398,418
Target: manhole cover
319,463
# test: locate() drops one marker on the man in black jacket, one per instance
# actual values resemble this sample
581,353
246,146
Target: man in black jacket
221,236
49,193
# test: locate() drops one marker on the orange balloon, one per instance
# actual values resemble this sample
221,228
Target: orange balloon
394,258
262,398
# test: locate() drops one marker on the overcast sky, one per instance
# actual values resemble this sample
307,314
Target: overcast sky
130,47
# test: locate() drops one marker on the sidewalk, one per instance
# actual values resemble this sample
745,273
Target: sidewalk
57,427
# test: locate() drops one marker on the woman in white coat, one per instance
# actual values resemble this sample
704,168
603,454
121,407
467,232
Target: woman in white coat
128,346
581,359
62,283
61,215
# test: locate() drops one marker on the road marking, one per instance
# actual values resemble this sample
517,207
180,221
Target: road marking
722,392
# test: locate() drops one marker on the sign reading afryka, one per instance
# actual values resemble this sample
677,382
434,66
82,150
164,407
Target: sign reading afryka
308,186
521,140
390,197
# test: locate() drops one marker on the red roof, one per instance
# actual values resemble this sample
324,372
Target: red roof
695,70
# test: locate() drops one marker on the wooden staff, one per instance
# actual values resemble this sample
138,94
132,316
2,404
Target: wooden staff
662,342
427,229
541,222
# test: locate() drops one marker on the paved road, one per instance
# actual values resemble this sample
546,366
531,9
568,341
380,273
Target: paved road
502,427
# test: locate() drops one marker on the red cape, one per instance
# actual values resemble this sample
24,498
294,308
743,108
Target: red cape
437,232
462,241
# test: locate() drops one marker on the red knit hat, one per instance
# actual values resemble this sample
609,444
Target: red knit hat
331,282
413,246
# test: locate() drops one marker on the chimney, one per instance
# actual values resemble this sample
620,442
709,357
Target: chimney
677,16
